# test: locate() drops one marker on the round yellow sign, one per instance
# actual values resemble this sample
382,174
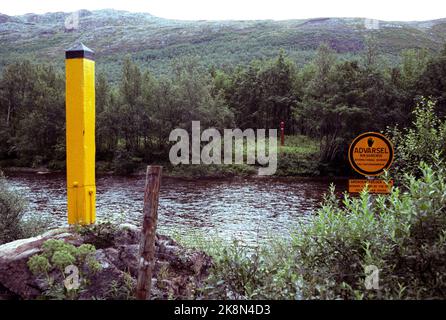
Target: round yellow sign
370,154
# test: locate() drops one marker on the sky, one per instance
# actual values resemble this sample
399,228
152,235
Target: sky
401,10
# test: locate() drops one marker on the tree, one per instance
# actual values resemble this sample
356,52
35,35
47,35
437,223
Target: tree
341,100
315,111
108,127
416,143
105,138
413,64
40,135
263,93
278,78
17,90
432,82
371,53
245,95
130,108
197,97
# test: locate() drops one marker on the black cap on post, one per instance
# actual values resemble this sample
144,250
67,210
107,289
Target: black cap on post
79,51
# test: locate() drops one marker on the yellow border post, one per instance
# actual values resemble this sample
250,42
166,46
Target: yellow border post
80,130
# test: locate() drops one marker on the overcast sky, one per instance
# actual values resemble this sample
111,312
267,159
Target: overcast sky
245,9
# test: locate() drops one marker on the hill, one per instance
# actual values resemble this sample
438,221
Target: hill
154,42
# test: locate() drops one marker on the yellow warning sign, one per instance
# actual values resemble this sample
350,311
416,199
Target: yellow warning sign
374,186
370,154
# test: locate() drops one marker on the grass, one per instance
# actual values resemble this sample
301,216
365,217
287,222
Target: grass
300,145
298,157
210,171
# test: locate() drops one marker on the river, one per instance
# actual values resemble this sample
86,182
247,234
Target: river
248,209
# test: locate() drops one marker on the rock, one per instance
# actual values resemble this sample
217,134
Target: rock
14,272
127,234
176,271
5,294
106,282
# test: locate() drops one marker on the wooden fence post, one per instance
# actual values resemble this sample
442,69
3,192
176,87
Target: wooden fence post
148,234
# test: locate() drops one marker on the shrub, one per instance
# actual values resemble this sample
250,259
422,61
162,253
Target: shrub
12,208
62,254
420,142
34,226
290,164
402,234
39,264
124,163
13,224
55,257
62,259
51,246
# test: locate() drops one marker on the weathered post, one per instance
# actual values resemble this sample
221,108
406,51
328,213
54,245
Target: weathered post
282,133
148,234
80,134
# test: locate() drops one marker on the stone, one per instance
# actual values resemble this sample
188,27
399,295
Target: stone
177,269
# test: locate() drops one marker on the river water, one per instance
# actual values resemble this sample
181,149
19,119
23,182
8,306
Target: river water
248,209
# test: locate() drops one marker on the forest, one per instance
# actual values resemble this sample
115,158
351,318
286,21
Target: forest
327,102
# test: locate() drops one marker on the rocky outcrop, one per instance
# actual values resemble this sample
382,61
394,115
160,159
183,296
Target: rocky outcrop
177,273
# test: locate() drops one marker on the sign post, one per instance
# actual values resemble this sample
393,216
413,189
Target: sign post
370,154
80,134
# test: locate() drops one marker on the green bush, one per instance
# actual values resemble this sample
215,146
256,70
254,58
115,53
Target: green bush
402,234
62,259
39,264
12,208
13,224
290,164
419,143
55,257
34,226
124,163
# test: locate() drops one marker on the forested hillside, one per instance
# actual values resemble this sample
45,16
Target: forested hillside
328,79
328,100
155,42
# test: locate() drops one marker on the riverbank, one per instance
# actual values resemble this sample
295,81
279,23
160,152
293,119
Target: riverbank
299,157
327,255
401,236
